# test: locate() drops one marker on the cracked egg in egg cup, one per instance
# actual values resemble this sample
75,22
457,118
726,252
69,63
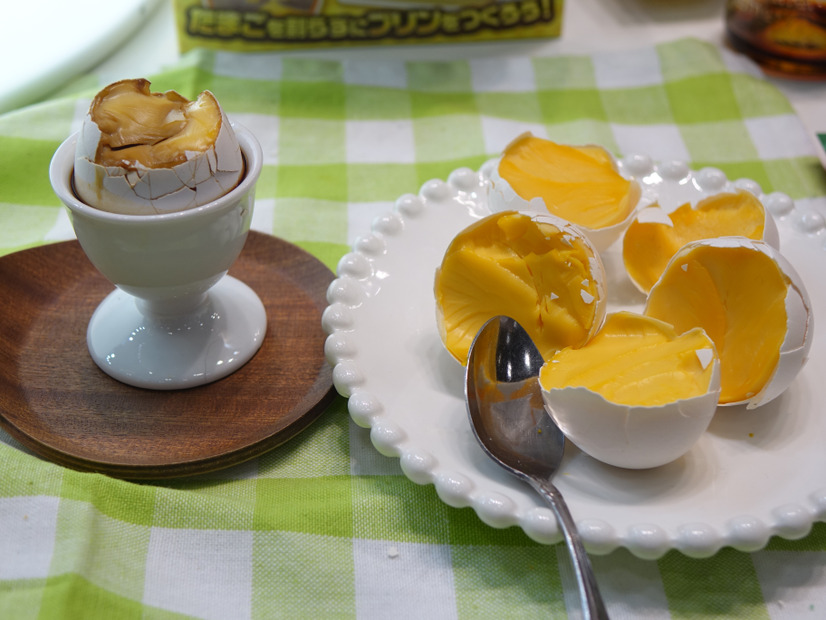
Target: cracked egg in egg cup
175,319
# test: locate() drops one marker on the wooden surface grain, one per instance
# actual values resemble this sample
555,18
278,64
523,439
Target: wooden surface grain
59,404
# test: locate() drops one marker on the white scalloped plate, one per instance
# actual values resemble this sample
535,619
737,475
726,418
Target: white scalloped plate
754,474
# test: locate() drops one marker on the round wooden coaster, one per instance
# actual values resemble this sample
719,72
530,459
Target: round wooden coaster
59,404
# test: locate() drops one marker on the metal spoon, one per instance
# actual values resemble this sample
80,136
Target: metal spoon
509,419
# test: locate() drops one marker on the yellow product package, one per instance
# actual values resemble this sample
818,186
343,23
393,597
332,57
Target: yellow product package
261,25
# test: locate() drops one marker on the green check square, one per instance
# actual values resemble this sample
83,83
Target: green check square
311,141
322,506
311,70
727,581
282,585
565,105
21,598
636,106
568,72
380,182
409,512
242,96
328,440
302,219
267,184
321,182
494,582
26,475
759,98
440,77
25,226
523,107
313,100
443,138
118,564
428,104
126,501
211,504
374,103
799,178
719,142
703,99
466,528
72,596
24,171
704,59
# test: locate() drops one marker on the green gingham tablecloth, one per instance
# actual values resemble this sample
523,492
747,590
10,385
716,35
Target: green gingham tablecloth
324,526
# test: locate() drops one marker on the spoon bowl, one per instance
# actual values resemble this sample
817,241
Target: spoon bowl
508,417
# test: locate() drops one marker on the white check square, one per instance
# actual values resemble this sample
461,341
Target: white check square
28,525
202,573
380,142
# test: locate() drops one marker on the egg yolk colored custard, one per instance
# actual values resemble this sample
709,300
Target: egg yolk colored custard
155,130
648,246
636,361
738,296
508,263
578,184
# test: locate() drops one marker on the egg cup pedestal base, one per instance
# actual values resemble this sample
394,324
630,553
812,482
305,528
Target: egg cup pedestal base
182,351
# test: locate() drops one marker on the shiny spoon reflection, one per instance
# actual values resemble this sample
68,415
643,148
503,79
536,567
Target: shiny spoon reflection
509,419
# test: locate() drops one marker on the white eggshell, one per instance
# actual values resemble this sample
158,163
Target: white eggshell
771,234
799,319
202,178
502,197
632,437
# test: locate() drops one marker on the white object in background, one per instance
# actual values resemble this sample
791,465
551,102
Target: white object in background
46,44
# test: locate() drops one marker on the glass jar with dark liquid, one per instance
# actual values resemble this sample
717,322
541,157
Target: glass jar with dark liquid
784,36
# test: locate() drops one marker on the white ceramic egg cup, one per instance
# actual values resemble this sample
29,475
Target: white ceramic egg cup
175,319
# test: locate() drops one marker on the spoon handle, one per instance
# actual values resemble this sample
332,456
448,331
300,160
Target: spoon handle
593,607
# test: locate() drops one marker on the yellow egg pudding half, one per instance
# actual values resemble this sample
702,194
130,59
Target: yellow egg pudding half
750,301
580,184
636,395
535,268
654,235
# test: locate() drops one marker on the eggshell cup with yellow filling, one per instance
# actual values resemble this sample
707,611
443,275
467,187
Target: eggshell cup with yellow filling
751,302
638,395
580,184
655,235
536,268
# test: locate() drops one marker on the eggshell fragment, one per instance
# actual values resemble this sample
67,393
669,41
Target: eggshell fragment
654,235
536,268
580,184
638,395
752,303
143,153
